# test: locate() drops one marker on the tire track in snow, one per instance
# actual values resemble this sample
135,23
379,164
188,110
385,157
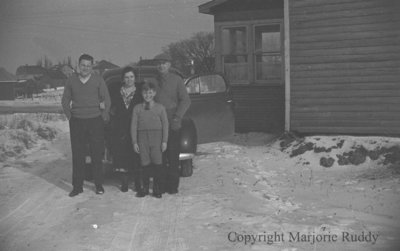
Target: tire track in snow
29,209
157,225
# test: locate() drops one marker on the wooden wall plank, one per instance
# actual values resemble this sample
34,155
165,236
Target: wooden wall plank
345,13
343,107
317,7
347,65
309,87
355,20
337,79
347,115
389,39
348,93
258,108
297,4
335,58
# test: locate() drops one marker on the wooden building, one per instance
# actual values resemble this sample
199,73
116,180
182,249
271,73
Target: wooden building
7,90
34,72
7,83
312,66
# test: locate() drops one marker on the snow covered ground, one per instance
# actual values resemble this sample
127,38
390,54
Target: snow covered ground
248,193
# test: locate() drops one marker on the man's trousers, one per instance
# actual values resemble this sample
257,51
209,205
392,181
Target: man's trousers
171,174
87,138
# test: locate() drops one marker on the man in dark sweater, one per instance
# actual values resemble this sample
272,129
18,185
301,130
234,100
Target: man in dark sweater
86,103
172,94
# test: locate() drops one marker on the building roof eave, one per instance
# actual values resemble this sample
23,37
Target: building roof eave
206,7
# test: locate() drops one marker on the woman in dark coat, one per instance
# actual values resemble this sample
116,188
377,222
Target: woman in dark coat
123,98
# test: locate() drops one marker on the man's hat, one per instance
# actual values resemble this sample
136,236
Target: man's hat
163,57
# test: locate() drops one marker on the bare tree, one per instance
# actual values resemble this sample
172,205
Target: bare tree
44,62
39,62
193,55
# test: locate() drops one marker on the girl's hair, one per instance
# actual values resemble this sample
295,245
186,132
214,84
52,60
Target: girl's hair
148,86
85,57
128,69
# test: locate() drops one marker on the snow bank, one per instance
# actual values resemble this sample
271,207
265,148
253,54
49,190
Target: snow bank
21,132
330,151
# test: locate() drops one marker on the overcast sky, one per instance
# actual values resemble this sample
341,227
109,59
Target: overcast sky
117,30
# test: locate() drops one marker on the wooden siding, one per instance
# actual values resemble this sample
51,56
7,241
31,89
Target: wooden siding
345,66
259,108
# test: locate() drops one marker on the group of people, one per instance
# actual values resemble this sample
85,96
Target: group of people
145,126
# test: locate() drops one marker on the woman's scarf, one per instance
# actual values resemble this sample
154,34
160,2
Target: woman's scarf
127,94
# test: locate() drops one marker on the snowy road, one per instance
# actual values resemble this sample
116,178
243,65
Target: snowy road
243,195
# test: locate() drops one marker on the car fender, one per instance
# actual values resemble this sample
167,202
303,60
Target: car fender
188,139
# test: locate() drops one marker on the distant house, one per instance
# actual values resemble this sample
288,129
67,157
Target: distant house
34,72
103,65
7,90
6,76
33,79
7,82
311,66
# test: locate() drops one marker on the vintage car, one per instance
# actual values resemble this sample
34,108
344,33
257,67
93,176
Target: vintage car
209,117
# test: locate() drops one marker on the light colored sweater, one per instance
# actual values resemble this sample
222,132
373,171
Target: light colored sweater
146,120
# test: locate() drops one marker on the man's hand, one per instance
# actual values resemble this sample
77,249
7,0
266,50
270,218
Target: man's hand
163,146
106,117
136,148
176,123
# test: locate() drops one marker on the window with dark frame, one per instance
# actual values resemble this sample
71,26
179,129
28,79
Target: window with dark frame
267,53
259,62
235,53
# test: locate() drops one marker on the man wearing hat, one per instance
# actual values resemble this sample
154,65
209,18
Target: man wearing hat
172,94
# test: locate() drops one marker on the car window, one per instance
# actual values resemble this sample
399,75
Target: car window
206,84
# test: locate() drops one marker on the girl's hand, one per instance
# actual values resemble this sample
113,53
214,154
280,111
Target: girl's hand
163,147
136,148
102,106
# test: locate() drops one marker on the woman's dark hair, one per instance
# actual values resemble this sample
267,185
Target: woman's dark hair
128,69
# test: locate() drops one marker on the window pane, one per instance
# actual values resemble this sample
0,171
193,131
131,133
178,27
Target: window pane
234,40
236,68
268,67
267,38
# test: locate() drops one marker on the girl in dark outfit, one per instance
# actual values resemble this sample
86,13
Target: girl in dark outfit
123,98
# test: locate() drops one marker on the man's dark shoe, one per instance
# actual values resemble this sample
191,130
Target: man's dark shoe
140,194
124,188
157,195
75,192
99,189
173,191
124,182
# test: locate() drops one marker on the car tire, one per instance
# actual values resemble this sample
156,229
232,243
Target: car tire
186,168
